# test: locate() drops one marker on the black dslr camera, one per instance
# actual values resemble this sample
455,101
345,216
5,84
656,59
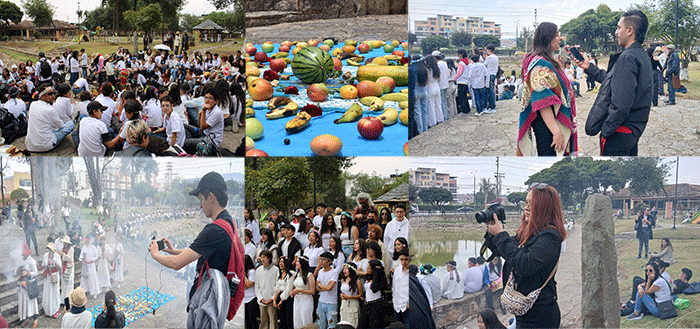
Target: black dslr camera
486,216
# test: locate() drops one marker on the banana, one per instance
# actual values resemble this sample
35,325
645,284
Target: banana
377,105
281,107
249,102
353,63
299,123
347,75
249,112
280,54
403,105
288,60
395,97
404,91
343,56
392,57
367,100
352,114
358,58
389,117
278,101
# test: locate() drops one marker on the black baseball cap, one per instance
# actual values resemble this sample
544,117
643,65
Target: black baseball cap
210,181
94,106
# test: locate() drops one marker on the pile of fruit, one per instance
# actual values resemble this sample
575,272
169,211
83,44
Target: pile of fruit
135,304
320,87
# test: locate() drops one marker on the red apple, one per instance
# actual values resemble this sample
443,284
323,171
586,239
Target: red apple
251,50
370,127
256,153
399,53
278,64
261,57
405,149
313,43
337,64
387,83
324,47
284,48
260,90
317,92
363,48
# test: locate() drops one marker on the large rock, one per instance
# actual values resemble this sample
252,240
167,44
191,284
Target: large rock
454,314
600,297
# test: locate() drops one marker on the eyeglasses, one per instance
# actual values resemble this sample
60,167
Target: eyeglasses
539,186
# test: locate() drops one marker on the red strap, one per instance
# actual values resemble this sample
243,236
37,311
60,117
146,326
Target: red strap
235,265
623,130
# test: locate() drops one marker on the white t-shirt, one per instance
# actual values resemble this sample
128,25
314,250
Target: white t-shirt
444,75
250,250
215,120
111,106
395,229
400,290
328,296
122,133
42,121
64,108
318,220
153,112
664,293
91,130
81,83
74,65
569,73
84,60
369,295
473,279
174,125
313,253
81,107
250,292
16,106
491,63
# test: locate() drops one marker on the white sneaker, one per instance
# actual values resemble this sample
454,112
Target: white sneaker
477,114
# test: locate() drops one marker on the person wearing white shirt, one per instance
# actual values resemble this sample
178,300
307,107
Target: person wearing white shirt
443,82
452,282
45,130
172,125
571,75
84,62
473,277
399,287
491,63
478,77
93,132
313,250
398,227
106,99
265,280
249,246
327,310
63,105
74,67
80,85
211,122
14,104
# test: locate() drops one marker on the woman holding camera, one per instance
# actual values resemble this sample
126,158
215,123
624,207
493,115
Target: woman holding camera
532,256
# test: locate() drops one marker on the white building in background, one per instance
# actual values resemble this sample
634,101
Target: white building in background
445,25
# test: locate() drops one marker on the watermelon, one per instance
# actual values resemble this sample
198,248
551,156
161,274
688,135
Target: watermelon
312,65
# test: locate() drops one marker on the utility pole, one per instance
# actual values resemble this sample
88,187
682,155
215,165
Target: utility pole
498,176
535,23
675,200
675,40
474,196
516,33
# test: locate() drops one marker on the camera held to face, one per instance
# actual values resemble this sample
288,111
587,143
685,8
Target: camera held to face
486,215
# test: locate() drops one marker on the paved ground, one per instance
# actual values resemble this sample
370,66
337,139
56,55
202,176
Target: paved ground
671,131
384,27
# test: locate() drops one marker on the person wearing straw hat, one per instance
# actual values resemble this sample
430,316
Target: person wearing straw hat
673,68
76,315
51,297
26,307
68,279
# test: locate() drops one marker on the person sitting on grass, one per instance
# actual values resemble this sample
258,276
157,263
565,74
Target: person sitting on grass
666,252
45,130
93,132
138,137
172,124
654,284
508,93
682,283
132,110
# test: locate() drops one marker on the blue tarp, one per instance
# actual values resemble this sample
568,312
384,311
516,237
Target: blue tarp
135,304
390,143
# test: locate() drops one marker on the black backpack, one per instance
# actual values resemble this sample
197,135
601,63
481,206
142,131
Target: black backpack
45,69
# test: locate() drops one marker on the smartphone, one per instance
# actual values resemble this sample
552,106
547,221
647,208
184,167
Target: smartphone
161,244
66,302
574,51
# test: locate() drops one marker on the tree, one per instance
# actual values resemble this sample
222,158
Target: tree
592,28
662,22
487,188
483,40
433,42
230,20
412,38
329,178
222,4
188,21
9,12
369,183
150,17
524,40
516,197
40,11
461,39
143,190
437,196
413,192
18,194
277,182
607,175
644,174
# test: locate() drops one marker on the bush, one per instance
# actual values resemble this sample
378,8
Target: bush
639,207
610,53
37,34
5,38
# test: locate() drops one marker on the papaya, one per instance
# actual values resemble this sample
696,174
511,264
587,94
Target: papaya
372,73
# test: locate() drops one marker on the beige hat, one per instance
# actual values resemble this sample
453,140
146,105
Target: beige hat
77,297
51,246
66,240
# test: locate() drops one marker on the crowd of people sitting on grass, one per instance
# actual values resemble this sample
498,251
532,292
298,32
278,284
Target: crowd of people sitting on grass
99,102
329,265
657,293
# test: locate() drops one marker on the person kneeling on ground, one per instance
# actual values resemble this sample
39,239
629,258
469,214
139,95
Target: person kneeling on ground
45,130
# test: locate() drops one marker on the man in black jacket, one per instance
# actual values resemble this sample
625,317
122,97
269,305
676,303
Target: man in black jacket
621,109
673,68
289,247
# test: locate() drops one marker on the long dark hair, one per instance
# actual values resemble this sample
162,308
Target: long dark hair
304,272
318,239
348,219
378,277
496,268
431,64
324,225
338,246
668,243
544,34
221,89
252,216
421,74
174,92
287,266
110,302
249,265
353,276
404,242
362,251
270,238
376,247
490,320
451,64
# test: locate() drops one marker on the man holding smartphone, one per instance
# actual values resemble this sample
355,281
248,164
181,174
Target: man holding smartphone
621,109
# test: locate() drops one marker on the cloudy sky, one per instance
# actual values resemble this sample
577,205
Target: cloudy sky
510,13
65,9
517,170
384,166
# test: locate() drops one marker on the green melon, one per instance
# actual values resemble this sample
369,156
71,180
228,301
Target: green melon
312,65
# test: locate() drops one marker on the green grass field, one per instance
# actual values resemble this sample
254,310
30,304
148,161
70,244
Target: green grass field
685,247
